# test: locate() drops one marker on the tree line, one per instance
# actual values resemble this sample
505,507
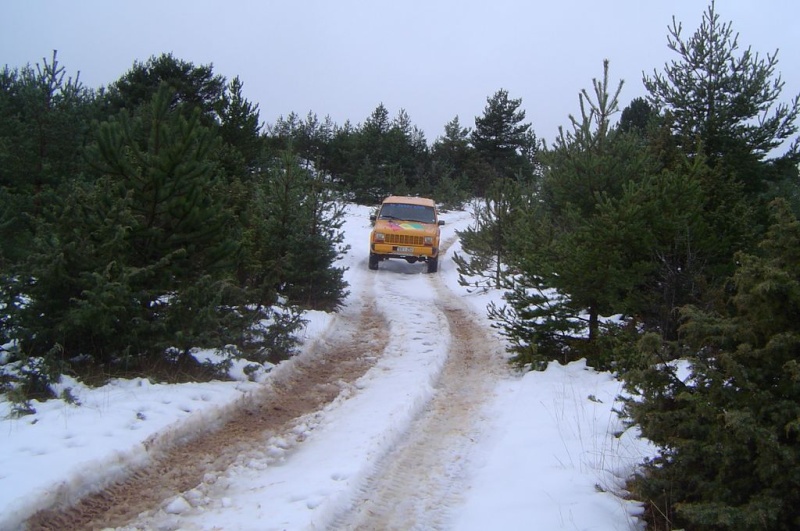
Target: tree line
148,218
155,215
158,214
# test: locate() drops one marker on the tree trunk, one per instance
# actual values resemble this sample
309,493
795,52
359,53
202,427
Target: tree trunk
594,322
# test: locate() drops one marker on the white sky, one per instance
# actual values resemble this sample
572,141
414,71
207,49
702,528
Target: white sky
435,59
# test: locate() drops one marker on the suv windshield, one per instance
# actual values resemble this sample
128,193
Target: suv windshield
421,213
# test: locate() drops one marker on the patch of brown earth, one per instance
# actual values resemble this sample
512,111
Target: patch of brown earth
305,387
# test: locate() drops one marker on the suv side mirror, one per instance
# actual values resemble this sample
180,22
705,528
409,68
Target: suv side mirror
441,222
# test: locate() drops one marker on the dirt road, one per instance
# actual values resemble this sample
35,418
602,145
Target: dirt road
414,486
422,479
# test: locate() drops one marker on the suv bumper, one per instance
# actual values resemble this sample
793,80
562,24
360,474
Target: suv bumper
403,251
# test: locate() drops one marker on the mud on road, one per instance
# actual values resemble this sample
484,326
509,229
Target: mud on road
312,381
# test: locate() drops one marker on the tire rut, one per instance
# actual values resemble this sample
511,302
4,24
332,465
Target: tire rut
177,465
420,480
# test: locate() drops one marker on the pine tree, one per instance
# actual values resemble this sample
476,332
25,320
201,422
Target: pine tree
74,281
303,227
454,146
164,160
637,117
45,118
609,234
310,138
586,172
193,87
407,150
724,104
674,246
730,435
240,131
137,262
375,155
450,157
503,141
538,322
485,243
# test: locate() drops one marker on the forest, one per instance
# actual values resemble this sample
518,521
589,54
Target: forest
158,214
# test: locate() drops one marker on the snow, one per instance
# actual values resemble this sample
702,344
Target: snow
551,452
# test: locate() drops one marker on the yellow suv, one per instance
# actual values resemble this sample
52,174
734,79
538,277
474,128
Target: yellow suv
407,228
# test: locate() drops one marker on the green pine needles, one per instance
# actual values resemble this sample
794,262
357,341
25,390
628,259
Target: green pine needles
730,433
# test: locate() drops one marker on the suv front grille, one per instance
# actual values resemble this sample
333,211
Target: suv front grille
404,239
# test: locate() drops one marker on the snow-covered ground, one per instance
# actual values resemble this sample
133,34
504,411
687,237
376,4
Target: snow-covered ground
550,452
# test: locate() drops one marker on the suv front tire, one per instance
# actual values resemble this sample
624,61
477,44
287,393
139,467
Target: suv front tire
373,261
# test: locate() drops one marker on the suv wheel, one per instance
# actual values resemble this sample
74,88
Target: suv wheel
373,261
433,265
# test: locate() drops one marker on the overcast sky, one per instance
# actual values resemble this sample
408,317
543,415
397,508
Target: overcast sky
435,59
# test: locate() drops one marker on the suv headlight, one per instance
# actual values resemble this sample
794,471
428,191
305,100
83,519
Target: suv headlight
428,240
378,237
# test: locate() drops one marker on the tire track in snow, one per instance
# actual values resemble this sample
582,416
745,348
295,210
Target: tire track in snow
189,459
420,480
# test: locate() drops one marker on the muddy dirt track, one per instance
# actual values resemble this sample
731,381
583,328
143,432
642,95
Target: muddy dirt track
311,384
421,480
